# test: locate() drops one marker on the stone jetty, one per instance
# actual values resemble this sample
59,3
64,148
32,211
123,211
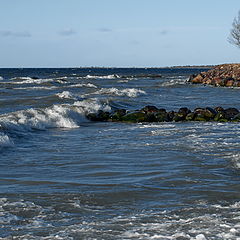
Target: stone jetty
154,114
226,75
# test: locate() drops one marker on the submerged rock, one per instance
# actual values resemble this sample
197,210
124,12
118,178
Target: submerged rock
150,109
118,114
204,114
135,117
226,75
230,113
100,116
154,114
181,114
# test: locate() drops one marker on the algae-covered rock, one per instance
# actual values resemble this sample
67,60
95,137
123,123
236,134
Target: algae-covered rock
220,117
99,116
230,113
149,109
205,113
135,117
170,116
211,112
181,114
236,118
117,115
161,116
190,116
184,111
153,114
200,117
219,109
178,117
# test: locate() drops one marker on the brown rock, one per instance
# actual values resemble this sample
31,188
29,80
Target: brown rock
197,79
230,83
222,75
208,81
237,84
217,81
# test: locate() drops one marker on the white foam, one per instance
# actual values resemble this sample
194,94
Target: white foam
56,116
5,140
200,237
89,85
21,78
112,76
174,82
235,159
65,95
53,117
129,92
39,87
123,81
1,78
28,80
92,105
69,95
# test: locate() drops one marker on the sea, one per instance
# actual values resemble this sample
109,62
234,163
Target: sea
65,177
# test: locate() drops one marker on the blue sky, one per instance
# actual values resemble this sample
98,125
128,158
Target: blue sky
116,33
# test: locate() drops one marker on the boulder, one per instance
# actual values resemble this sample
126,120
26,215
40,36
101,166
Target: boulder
198,79
118,114
219,109
170,116
220,117
226,75
190,116
230,113
236,118
135,117
149,109
153,114
161,116
204,114
99,116
181,114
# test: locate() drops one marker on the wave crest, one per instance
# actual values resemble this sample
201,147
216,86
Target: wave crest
129,92
112,76
56,116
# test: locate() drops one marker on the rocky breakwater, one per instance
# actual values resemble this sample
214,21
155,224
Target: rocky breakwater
226,75
154,114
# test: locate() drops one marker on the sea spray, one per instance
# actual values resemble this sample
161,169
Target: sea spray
56,116
129,92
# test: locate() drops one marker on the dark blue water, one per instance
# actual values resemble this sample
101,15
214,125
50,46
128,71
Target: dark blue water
64,177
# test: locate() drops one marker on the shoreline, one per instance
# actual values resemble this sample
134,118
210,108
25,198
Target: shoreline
170,67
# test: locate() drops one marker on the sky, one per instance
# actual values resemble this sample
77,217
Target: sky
116,33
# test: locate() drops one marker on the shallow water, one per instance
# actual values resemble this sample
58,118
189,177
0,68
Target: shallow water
63,177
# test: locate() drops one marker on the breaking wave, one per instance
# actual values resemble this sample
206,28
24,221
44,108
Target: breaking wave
65,95
29,80
174,82
56,116
88,85
5,141
112,76
129,92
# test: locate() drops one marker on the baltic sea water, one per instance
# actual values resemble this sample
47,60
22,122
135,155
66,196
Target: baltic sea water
64,177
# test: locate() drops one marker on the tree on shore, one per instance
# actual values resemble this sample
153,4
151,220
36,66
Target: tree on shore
235,31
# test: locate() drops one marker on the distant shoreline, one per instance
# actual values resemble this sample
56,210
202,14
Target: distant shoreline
190,66
92,67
